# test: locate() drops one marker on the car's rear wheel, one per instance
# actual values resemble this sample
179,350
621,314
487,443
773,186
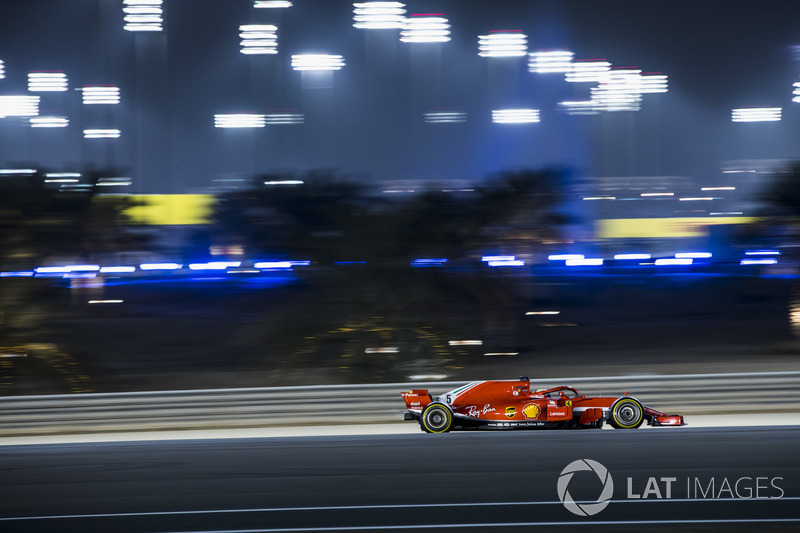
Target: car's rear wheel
436,418
626,413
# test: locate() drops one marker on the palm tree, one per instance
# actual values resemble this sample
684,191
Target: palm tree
381,303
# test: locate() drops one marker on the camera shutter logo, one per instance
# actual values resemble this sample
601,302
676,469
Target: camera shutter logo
585,509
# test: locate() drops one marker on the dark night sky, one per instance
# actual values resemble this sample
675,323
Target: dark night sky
718,55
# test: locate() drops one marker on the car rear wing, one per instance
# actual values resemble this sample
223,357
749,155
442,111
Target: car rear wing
417,399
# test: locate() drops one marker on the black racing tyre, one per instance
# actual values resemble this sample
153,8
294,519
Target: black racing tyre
626,413
436,418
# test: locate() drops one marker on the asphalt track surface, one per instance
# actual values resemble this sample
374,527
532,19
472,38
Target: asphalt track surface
723,479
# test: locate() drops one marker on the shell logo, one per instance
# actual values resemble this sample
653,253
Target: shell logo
531,410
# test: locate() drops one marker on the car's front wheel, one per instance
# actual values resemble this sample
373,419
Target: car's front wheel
626,413
436,418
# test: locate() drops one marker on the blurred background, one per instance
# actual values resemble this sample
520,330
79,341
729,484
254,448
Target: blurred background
216,194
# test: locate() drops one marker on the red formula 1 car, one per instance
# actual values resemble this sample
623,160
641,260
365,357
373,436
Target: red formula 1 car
513,405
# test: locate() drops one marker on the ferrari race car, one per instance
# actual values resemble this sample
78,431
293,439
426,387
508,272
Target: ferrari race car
513,405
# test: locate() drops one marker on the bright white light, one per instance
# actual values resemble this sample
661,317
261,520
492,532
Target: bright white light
49,122
106,301
143,15
317,62
515,116
498,258
444,117
592,261
550,61
762,252
580,107
696,199
239,120
101,134
100,94
795,92
599,197
507,263
631,256
674,261
160,266
215,265
379,15
2,69
465,343
718,189
284,118
431,28
117,269
19,106
47,82
284,182
273,264
384,349
530,313
756,114
653,83
503,44
654,194
274,4
591,71
620,90
82,268
114,182
17,171
52,270
693,255
564,257
258,39
770,261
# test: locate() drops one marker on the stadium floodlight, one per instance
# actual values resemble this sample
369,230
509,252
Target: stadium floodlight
550,61
49,122
756,114
795,92
379,15
47,82
628,257
564,257
100,94
317,62
653,83
425,28
445,117
2,69
274,4
101,134
19,105
143,15
515,116
239,120
619,91
511,43
284,118
587,70
580,107
258,39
